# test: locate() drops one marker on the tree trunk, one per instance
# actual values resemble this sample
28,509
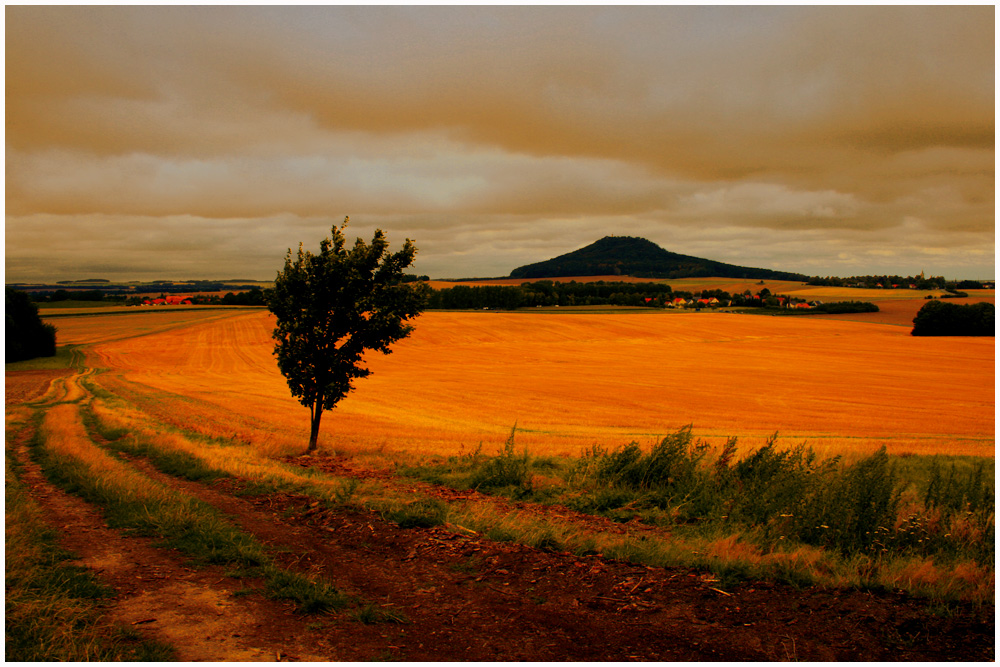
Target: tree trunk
316,413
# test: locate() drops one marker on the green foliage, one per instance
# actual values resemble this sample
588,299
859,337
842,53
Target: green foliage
938,318
26,335
334,306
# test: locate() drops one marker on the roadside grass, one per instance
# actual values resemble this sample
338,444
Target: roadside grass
770,513
53,609
926,525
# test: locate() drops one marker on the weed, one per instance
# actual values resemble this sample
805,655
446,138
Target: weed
506,469
370,615
420,513
342,494
310,597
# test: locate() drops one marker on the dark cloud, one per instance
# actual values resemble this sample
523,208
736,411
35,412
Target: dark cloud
515,132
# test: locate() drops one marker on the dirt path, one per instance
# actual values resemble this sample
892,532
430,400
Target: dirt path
444,594
193,610
469,598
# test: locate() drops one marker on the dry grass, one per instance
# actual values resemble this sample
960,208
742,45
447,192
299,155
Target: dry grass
571,381
965,580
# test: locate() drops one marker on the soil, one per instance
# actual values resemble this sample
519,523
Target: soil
447,593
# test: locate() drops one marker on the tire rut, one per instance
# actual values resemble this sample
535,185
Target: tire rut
192,609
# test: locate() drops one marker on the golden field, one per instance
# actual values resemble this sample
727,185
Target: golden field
569,381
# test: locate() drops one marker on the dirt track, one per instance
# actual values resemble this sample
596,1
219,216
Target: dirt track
458,596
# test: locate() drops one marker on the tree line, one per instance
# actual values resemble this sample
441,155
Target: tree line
548,293
895,282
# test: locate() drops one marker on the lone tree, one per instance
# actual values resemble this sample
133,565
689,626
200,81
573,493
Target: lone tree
331,308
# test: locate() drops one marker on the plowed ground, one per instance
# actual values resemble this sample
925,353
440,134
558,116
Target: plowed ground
457,596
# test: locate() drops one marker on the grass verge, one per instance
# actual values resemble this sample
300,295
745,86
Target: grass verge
774,513
53,609
136,504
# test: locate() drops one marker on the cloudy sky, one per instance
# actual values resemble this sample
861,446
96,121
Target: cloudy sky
203,142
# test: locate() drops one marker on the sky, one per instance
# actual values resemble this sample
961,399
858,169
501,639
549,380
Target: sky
172,143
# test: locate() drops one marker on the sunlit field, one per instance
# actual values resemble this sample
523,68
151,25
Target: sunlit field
123,322
568,381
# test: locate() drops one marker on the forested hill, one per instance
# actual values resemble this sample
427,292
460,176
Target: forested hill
632,256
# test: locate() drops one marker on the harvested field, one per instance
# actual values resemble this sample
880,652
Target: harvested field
216,550
900,311
92,325
568,382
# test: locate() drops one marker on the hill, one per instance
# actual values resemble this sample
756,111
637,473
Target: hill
633,256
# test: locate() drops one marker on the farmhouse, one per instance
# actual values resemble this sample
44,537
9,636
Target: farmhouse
168,301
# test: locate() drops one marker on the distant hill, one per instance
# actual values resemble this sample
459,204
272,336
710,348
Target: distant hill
632,256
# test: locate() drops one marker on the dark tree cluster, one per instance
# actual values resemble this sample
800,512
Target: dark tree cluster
841,307
67,295
883,281
550,293
940,318
27,336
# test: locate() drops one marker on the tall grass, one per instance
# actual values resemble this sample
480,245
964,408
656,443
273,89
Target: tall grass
772,511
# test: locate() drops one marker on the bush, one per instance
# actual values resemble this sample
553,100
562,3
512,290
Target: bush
938,318
27,336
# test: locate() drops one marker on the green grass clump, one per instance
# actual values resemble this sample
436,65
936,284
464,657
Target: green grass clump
369,614
507,469
309,596
420,513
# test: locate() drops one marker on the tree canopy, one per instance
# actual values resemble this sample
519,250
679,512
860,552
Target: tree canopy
937,318
27,336
331,308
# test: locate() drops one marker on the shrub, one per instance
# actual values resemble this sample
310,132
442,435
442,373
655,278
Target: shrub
938,318
27,336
